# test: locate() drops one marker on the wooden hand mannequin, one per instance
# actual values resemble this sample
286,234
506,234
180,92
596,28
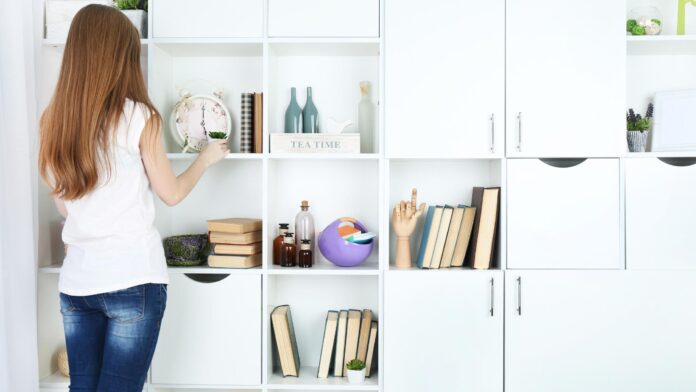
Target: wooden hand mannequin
404,219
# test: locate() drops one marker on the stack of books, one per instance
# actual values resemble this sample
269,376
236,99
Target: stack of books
462,235
348,334
236,242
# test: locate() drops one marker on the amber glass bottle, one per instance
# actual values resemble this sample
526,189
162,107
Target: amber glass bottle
306,259
288,252
278,241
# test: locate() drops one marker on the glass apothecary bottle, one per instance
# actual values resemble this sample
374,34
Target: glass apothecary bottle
366,119
304,225
288,251
278,241
305,256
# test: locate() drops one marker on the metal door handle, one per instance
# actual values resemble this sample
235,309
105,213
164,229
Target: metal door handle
492,132
519,131
519,295
492,296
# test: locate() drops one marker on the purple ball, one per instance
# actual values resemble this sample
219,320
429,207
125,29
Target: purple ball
339,251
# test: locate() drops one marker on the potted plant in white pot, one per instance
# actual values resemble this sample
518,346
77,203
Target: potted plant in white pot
637,129
136,11
217,135
356,371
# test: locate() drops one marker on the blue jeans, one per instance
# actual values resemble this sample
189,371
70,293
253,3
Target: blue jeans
111,337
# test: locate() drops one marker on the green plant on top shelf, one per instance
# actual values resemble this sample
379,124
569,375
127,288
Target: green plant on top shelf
355,364
635,122
217,135
131,5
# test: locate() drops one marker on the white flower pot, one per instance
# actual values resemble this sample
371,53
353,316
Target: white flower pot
139,20
356,376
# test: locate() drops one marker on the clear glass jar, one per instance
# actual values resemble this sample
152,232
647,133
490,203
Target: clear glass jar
646,20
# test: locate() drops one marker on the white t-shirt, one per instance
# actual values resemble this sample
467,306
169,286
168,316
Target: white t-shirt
112,243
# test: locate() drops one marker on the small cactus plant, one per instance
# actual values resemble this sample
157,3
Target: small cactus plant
355,364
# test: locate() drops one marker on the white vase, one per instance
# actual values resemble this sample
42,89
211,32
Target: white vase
356,376
139,20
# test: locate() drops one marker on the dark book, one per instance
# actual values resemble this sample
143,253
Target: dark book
246,142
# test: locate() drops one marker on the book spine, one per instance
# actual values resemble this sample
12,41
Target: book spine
258,123
246,135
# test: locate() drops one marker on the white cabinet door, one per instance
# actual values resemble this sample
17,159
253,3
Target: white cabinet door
563,217
565,76
211,332
439,332
323,18
600,331
207,18
660,213
445,78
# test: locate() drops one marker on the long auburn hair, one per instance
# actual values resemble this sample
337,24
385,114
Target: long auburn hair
100,70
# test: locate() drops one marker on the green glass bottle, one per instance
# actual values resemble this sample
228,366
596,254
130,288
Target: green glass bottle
309,115
293,114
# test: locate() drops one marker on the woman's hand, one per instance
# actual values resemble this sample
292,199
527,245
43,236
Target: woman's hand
214,152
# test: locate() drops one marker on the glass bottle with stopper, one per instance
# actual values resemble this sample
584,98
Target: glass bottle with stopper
304,225
305,257
288,252
278,241
366,118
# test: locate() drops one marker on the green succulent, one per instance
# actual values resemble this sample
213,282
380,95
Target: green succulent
638,30
127,4
657,21
630,24
635,122
355,364
217,135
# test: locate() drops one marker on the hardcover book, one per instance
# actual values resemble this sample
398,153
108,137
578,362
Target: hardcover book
285,342
234,225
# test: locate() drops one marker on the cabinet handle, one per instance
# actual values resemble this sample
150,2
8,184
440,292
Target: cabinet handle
519,131
492,296
519,295
492,132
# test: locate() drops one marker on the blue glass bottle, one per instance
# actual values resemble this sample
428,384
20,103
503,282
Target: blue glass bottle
293,114
309,115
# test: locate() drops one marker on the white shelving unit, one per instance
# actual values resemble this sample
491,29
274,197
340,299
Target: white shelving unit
481,325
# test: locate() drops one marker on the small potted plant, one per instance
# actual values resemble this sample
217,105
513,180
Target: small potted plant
356,371
217,135
638,127
136,11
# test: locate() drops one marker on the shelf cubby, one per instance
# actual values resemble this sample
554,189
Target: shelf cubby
310,298
202,68
334,70
231,188
334,188
442,182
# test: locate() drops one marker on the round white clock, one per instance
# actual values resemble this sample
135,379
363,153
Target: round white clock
195,116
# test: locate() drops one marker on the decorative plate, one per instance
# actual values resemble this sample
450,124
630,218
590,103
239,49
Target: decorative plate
194,116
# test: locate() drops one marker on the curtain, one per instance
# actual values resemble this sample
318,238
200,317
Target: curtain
19,43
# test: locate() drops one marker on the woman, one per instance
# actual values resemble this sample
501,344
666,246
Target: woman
101,155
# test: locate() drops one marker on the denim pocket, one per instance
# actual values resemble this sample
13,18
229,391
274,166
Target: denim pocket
127,305
66,305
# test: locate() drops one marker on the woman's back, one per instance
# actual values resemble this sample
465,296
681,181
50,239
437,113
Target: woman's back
112,243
